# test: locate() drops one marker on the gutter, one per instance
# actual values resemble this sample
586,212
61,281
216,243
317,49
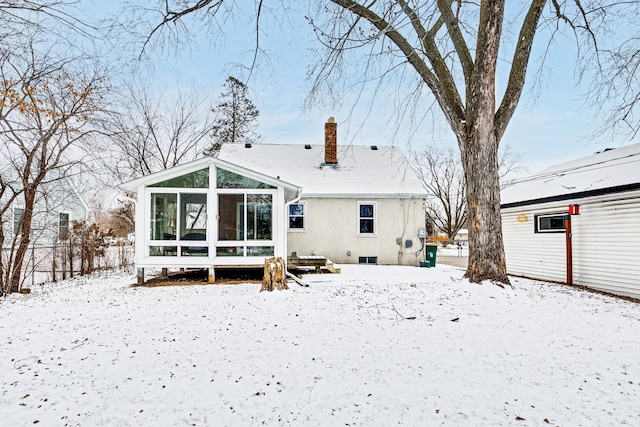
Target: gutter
365,196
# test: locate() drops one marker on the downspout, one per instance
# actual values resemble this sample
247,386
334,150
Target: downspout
137,243
286,218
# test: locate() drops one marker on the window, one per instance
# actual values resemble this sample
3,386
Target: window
245,224
551,223
197,179
164,216
366,218
259,218
180,220
18,213
227,179
368,260
63,226
296,216
193,216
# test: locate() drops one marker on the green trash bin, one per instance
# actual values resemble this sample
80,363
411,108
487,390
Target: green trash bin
430,254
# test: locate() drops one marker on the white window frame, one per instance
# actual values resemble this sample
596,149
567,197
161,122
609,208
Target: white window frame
16,232
178,243
68,224
304,218
375,219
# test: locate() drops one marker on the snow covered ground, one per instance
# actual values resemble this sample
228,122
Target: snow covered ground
373,346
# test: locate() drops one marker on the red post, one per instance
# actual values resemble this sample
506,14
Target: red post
567,226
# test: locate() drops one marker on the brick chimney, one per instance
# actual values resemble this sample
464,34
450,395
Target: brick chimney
331,142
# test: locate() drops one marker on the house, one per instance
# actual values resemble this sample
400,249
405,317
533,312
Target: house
348,204
602,249
57,204
209,214
359,204
462,237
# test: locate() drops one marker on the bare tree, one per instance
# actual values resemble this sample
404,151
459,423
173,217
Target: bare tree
9,192
46,103
57,18
236,117
441,172
149,132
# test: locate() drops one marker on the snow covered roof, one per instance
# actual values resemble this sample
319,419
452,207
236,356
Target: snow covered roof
607,171
291,190
361,171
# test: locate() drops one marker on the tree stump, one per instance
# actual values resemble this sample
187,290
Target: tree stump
274,275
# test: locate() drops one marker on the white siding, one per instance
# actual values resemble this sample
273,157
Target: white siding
606,243
54,198
528,253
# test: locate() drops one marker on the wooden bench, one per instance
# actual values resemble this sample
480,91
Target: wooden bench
313,261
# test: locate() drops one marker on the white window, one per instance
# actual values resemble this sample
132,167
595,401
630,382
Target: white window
367,219
18,213
63,226
297,213
551,223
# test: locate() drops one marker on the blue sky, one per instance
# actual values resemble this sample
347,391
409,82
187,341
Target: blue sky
552,124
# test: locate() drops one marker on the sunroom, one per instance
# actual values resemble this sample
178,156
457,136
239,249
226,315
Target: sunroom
209,214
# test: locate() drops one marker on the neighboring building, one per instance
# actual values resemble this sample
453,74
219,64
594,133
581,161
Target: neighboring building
208,214
57,205
462,237
605,235
359,204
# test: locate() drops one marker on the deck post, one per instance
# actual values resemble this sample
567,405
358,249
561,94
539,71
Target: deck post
212,275
140,276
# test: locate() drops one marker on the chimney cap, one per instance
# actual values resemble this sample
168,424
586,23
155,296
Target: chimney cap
247,145
331,120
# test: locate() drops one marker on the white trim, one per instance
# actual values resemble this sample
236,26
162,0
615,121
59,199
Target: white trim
13,218
538,229
304,217
134,185
375,218
69,219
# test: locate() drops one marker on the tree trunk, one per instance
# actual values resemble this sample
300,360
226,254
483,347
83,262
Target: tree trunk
274,275
486,250
3,288
479,151
25,239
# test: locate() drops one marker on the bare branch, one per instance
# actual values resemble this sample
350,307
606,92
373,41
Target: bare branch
172,17
519,64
